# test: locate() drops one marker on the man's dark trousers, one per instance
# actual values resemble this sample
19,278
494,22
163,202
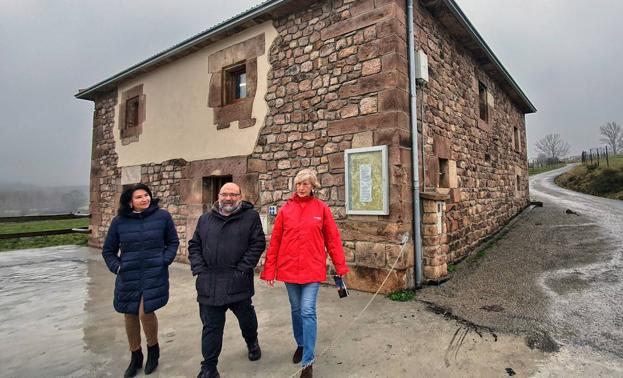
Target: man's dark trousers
213,319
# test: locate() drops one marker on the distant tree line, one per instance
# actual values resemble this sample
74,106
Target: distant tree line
30,200
552,148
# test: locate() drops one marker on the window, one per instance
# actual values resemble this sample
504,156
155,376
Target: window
516,138
487,158
482,102
235,84
444,174
131,112
211,187
518,183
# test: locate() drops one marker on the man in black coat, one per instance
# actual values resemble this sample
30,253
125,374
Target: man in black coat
224,250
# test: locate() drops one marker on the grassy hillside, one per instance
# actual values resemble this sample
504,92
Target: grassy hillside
599,181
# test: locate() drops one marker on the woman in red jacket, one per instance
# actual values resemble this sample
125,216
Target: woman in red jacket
304,230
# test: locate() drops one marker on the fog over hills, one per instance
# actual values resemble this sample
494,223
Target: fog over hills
18,199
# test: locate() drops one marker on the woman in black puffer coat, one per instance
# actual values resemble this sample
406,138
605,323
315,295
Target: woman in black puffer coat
141,244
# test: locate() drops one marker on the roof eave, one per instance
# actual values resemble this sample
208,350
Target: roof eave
108,84
528,107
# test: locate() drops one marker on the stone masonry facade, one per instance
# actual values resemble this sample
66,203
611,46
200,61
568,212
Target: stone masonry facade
488,166
339,80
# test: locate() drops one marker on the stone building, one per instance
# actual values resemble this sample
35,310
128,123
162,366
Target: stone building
292,84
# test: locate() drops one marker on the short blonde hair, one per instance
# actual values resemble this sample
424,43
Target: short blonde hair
307,175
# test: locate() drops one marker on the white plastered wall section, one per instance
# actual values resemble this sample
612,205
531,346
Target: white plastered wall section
178,122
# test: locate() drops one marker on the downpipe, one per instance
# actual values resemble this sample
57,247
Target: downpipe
417,231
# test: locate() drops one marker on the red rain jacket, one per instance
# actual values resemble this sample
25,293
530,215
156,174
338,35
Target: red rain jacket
302,230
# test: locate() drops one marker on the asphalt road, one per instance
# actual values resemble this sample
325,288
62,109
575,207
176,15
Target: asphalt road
586,301
552,276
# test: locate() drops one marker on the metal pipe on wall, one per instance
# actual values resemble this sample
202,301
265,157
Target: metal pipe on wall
417,231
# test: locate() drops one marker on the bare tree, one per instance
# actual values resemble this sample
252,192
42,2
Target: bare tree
553,146
612,136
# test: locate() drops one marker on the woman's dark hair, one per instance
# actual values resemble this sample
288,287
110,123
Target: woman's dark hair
126,198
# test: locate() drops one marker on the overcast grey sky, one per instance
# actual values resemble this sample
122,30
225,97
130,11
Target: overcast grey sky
565,54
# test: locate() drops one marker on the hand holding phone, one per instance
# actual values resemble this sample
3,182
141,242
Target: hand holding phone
342,291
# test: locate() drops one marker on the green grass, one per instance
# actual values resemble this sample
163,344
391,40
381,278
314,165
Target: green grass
535,171
15,227
599,181
475,258
42,241
451,268
402,296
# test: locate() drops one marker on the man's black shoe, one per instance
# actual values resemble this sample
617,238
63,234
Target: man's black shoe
209,374
255,353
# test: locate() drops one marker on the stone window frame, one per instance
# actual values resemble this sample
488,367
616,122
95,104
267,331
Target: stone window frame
483,110
444,173
130,133
441,166
516,139
220,63
484,102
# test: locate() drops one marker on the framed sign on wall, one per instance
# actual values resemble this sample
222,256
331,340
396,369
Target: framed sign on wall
367,183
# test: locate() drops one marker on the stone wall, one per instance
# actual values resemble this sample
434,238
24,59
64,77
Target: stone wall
164,180
486,162
339,81
104,172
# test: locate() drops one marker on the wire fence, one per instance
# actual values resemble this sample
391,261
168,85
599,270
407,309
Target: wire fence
596,156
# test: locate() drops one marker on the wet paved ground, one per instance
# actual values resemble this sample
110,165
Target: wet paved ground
57,320
554,278
543,301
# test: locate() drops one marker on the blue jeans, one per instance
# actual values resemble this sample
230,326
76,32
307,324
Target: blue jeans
303,305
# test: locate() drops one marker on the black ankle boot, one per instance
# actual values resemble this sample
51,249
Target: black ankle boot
153,353
136,362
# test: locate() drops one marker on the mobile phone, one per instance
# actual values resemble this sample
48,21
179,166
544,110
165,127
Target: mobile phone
342,291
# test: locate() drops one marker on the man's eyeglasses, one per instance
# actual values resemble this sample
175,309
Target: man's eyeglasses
232,195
